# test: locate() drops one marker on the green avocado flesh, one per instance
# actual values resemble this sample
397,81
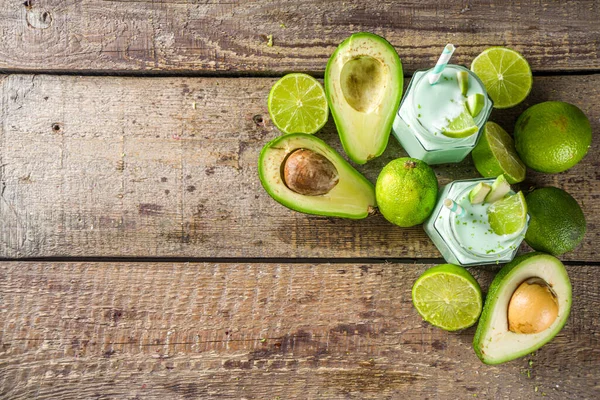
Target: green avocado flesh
353,196
363,85
494,343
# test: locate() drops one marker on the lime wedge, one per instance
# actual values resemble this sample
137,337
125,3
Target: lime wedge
462,126
448,297
500,188
475,103
297,104
509,215
463,81
495,154
505,74
479,192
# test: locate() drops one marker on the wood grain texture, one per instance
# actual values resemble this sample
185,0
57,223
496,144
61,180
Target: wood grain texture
185,330
108,166
228,37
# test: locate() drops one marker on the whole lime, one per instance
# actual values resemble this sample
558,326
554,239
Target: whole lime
406,191
557,224
552,136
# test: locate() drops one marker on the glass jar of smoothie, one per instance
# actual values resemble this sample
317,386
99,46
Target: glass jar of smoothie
468,239
426,109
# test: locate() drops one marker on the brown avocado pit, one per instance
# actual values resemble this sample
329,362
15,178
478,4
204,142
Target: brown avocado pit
309,173
533,307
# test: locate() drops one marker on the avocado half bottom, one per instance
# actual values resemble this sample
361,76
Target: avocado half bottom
352,197
494,343
363,85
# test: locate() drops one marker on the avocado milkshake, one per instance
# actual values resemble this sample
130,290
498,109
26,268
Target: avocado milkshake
466,238
434,122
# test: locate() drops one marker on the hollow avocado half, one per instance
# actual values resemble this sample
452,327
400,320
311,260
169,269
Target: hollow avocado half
363,85
494,343
353,196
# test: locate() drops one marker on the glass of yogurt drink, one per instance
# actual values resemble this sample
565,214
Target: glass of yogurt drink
466,238
428,110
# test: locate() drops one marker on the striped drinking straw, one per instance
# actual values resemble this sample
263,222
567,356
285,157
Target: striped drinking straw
455,208
434,75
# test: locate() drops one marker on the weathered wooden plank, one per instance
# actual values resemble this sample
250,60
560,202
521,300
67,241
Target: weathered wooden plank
107,166
232,37
175,330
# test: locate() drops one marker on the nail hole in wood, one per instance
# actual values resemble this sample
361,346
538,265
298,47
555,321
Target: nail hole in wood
56,127
258,119
28,3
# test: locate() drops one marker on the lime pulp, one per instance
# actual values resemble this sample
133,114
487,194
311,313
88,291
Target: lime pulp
509,215
297,104
448,297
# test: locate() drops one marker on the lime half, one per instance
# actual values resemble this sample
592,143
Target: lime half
297,104
495,154
461,126
505,74
509,215
448,297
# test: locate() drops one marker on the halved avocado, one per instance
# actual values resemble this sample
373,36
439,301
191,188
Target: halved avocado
303,173
543,277
363,84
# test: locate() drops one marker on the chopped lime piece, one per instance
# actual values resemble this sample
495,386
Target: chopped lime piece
479,192
500,188
505,74
495,154
463,81
509,215
448,297
297,104
475,103
462,126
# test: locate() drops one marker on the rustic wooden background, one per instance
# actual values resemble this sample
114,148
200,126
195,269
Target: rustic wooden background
142,259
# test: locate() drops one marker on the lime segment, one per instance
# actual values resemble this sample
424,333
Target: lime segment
448,297
505,74
479,193
495,154
463,81
297,104
475,104
509,215
462,126
500,188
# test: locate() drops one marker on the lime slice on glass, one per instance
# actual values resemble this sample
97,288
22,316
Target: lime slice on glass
475,103
505,74
495,154
448,297
509,215
462,126
463,81
297,104
500,188
479,193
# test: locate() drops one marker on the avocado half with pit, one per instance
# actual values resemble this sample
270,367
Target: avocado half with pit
303,173
363,85
528,303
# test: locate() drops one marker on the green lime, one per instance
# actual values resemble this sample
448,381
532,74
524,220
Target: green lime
297,104
448,297
461,126
495,154
475,103
557,224
500,188
478,194
509,215
505,74
552,136
463,81
406,191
